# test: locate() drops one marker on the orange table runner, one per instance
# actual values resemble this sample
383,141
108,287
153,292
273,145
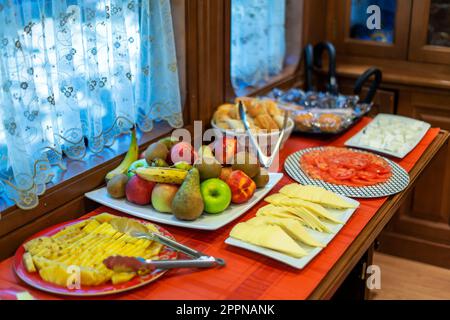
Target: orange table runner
248,275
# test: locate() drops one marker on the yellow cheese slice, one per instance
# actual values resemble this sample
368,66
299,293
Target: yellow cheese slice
292,227
317,195
307,217
268,236
282,200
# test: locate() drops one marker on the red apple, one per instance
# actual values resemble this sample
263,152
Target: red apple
242,187
225,149
162,197
139,191
183,151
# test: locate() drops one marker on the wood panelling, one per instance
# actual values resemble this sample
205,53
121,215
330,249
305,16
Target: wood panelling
421,229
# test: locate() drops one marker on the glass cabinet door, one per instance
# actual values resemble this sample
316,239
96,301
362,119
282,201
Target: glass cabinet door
373,20
430,31
373,28
439,23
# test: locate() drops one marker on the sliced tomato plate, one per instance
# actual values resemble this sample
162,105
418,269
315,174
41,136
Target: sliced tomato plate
344,166
364,178
34,280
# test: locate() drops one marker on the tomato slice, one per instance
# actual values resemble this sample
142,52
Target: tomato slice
341,173
379,169
367,175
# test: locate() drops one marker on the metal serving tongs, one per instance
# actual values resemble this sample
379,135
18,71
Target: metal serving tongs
142,266
265,160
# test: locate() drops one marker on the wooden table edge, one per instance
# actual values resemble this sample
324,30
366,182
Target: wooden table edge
336,276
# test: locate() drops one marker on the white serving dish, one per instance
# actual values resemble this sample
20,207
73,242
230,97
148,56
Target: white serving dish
418,131
266,141
205,222
300,263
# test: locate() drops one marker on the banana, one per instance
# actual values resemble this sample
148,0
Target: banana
130,158
162,175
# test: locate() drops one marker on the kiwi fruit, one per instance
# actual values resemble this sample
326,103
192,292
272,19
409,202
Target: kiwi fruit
116,186
157,150
208,167
247,163
262,179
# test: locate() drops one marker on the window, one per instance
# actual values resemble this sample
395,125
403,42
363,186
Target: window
81,70
265,41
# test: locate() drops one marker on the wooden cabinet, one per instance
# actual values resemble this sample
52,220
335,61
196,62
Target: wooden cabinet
412,30
421,228
347,28
430,43
413,51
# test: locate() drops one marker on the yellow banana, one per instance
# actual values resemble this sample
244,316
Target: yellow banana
162,175
130,157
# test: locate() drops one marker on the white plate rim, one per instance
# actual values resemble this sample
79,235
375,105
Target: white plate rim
167,219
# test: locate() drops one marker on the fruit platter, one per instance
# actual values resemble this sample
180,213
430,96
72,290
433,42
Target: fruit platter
50,260
296,225
177,185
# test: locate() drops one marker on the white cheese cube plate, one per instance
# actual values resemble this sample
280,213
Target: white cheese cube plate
205,222
325,238
390,135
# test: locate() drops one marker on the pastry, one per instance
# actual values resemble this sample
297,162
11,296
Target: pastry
272,108
303,121
329,122
221,116
235,124
265,121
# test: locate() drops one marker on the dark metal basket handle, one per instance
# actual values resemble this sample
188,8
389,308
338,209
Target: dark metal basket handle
309,67
319,49
361,81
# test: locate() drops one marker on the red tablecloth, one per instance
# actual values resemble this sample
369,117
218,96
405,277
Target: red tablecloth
248,275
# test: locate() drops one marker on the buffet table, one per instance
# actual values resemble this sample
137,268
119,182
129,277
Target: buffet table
251,276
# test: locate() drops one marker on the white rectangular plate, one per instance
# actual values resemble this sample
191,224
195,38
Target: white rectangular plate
424,127
300,263
205,222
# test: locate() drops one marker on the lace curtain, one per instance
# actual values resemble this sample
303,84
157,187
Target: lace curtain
79,70
258,42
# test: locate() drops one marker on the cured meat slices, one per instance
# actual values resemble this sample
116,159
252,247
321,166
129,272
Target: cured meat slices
343,166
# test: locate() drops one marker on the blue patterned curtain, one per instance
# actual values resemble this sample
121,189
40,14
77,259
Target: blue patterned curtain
76,70
258,42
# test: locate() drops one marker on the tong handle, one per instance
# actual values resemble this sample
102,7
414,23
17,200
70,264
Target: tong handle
174,264
171,244
265,160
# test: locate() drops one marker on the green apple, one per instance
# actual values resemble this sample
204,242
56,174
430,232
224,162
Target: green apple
216,195
162,196
137,164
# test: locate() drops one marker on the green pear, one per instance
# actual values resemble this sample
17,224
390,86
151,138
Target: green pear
188,202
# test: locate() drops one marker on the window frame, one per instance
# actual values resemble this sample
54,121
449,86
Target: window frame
64,198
